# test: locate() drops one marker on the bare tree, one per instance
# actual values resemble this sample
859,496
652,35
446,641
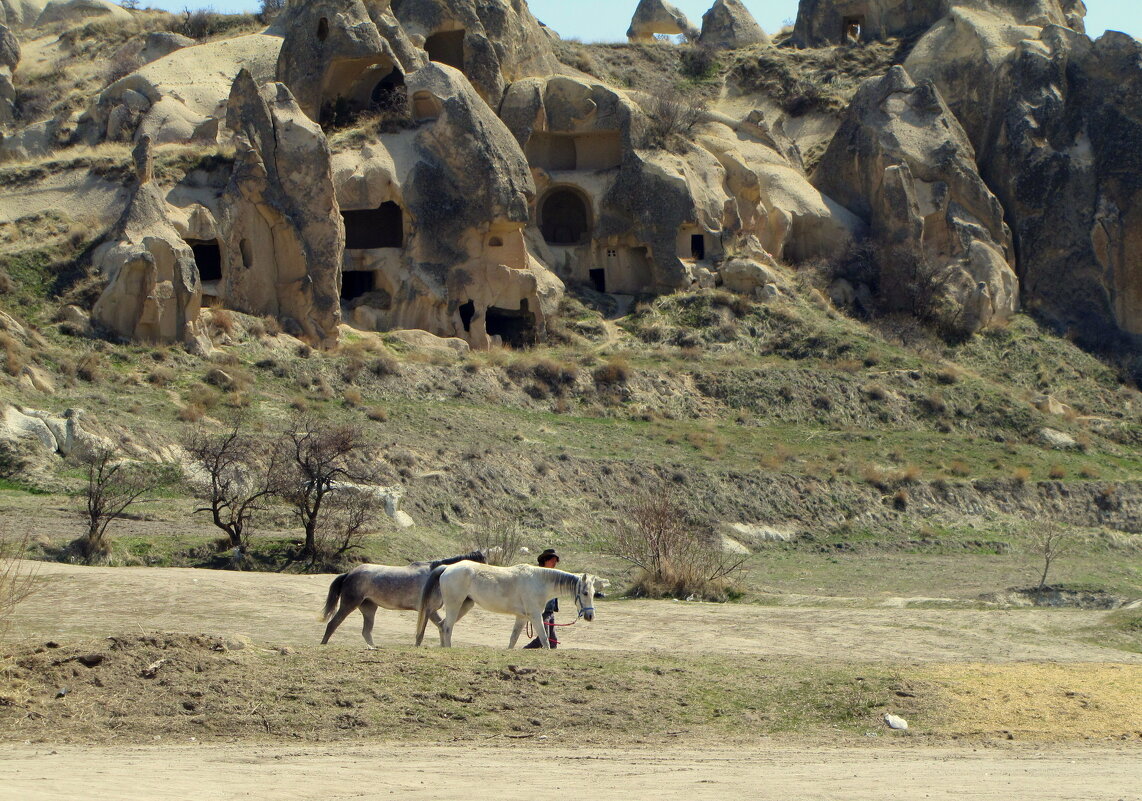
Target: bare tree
239,477
315,458
112,484
1050,541
675,555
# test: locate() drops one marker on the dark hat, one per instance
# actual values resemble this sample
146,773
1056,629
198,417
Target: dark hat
548,554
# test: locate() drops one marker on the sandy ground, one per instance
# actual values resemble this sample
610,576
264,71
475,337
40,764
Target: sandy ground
283,609
507,773
78,602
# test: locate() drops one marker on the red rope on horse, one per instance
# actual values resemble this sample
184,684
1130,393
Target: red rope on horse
530,632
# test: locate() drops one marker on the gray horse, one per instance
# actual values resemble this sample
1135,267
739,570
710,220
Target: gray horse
368,586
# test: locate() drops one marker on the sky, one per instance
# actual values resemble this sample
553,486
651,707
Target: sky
607,20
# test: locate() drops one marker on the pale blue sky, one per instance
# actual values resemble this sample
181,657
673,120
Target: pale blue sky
607,20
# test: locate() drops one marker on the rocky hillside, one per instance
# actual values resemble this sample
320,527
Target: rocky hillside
871,276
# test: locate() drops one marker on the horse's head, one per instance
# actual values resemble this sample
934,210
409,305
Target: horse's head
585,595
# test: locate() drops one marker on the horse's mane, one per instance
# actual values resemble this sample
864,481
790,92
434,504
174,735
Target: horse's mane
568,582
474,556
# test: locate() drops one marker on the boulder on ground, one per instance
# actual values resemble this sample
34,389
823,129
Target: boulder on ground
163,43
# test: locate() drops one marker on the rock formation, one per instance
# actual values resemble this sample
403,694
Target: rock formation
336,61
280,229
832,22
729,25
653,17
1066,160
902,162
63,11
448,209
492,42
153,292
9,58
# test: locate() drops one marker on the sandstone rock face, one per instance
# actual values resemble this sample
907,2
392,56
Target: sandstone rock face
180,97
459,189
729,25
153,292
56,11
731,187
961,55
493,42
283,237
17,14
163,43
826,22
902,162
335,59
1066,160
658,17
9,58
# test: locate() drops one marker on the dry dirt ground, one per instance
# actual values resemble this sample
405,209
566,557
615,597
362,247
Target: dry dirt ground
77,604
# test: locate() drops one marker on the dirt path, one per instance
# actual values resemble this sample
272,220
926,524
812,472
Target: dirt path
501,773
278,609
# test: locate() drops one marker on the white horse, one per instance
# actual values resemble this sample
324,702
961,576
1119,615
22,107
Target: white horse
520,590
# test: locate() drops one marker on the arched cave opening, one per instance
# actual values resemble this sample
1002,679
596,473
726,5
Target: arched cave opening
564,218
207,258
355,283
446,47
389,94
514,327
382,227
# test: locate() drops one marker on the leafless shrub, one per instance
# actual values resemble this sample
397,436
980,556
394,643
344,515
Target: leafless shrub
352,511
500,537
675,556
13,458
111,485
17,579
672,117
269,9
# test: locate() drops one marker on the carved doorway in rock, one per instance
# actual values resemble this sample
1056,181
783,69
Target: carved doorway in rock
382,227
564,217
208,259
355,283
514,327
446,47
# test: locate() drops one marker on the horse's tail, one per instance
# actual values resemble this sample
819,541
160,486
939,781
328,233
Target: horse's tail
333,597
430,585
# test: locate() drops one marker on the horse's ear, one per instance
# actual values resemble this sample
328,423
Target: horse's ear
584,577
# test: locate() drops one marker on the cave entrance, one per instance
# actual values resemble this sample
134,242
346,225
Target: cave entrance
514,327
382,227
207,258
355,283
467,312
564,219
698,246
389,94
446,47
598,277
